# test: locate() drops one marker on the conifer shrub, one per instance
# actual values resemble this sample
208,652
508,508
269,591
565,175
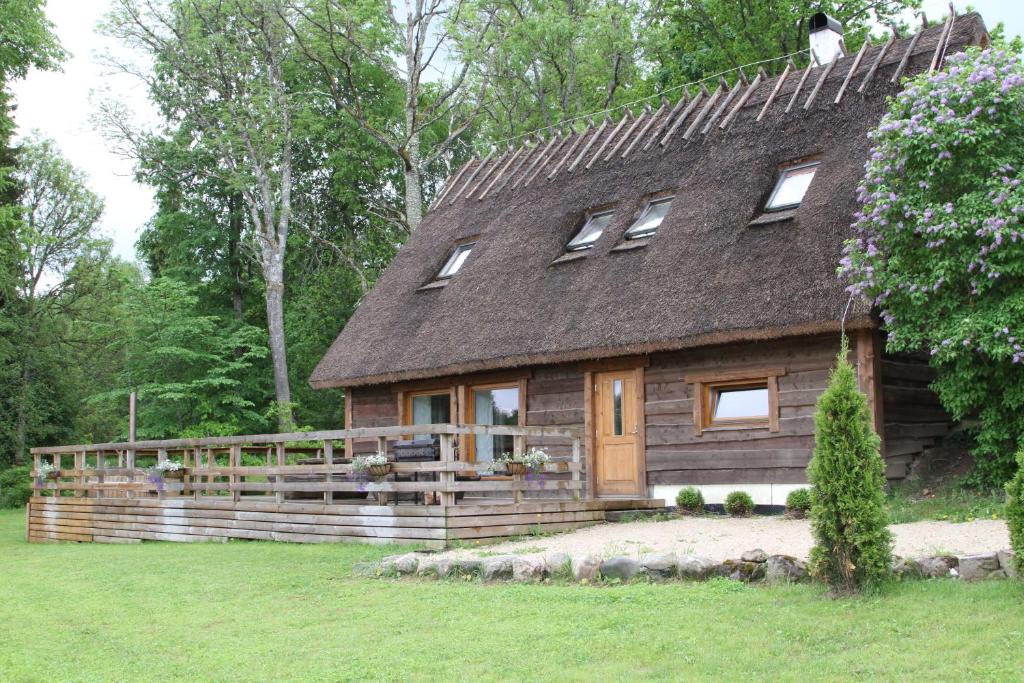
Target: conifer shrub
15,487
1015,513
690,500
739,504
798,502
853,545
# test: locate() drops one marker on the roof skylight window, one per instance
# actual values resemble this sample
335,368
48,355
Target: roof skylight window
455,261
792,186
591,230
653,214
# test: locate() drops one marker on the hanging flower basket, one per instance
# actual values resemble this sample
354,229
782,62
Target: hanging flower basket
380,470
54,475
174,475
519,468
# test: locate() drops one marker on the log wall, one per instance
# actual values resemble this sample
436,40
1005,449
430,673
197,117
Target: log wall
914,419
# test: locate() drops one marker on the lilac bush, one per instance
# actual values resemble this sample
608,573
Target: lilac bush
939,246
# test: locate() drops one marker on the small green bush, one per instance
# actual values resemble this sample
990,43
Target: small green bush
852,543
798,502
690,500
1015,513
739,504
15,487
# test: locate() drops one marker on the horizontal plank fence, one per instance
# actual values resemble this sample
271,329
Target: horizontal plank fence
301,487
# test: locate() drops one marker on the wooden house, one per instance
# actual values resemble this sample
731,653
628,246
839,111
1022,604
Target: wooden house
665,282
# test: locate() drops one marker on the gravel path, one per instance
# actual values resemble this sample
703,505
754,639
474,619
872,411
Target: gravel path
721,538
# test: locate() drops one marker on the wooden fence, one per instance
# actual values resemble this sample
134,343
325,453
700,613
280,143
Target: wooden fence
301,487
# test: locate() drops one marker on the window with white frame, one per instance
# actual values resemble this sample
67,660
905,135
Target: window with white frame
591,230
651,217
791,187
455,261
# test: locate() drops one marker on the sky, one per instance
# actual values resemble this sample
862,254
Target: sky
61,105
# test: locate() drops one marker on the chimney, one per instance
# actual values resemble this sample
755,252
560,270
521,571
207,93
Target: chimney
826,37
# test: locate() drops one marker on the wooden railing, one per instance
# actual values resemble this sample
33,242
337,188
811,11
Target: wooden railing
221,466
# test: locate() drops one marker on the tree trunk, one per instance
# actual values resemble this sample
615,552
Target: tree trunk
273,273
413,183
234,257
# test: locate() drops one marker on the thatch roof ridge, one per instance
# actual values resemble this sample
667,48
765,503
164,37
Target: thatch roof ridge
717,270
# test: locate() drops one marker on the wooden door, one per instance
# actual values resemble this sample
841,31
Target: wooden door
617,438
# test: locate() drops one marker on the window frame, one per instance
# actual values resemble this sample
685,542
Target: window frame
469,410
590,216
783,174
703,405
409,396
452,258
651,201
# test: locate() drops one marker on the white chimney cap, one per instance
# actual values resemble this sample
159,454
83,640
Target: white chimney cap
826,35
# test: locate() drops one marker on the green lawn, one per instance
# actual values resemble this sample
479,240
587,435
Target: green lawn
263,611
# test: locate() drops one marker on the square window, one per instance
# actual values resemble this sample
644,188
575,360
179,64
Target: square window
455,261
591,230
653,214
745,403
791,187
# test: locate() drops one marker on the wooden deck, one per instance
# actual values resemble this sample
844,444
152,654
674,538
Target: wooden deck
121,520
221,496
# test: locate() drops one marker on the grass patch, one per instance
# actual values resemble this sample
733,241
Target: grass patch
255,610
911,502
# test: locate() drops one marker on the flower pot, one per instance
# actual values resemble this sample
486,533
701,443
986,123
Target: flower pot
516,467
380,470
53,476
173,474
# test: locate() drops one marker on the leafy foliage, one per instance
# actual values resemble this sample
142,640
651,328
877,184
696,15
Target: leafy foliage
940,248
853,545
799,500
690,499
185,366
739,504
15,487
1015,513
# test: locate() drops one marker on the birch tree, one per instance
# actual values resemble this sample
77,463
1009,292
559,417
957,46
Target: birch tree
422,50
219,65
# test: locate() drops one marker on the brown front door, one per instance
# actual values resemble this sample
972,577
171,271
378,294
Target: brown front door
616,434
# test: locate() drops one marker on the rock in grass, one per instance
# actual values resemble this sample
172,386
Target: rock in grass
907,568
622,568
660,566
784,569
738,570
756,555
556,562
465,567
978,567
406,564
527,569
1006,563
429,566
497,567
366,568
695,568
938,567
585,568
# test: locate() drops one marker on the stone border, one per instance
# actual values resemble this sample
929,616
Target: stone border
752,566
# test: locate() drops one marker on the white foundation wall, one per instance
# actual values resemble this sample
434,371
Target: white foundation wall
763,494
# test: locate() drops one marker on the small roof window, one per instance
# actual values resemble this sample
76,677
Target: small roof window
455,261
653,214
792,186
591,230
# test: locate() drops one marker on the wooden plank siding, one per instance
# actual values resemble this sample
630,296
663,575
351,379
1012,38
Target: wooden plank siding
678,454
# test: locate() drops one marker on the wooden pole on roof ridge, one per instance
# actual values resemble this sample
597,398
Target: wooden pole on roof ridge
522,162
906,58
629,132
471,177
878,61
940,45
511,158
539,159
742,101
800,85
703,113
586,147
572,148
611,136
778,87
680,120
643,131
666,121
853,69
821,81
733,92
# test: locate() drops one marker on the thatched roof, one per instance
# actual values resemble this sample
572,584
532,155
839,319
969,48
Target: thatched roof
708,276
